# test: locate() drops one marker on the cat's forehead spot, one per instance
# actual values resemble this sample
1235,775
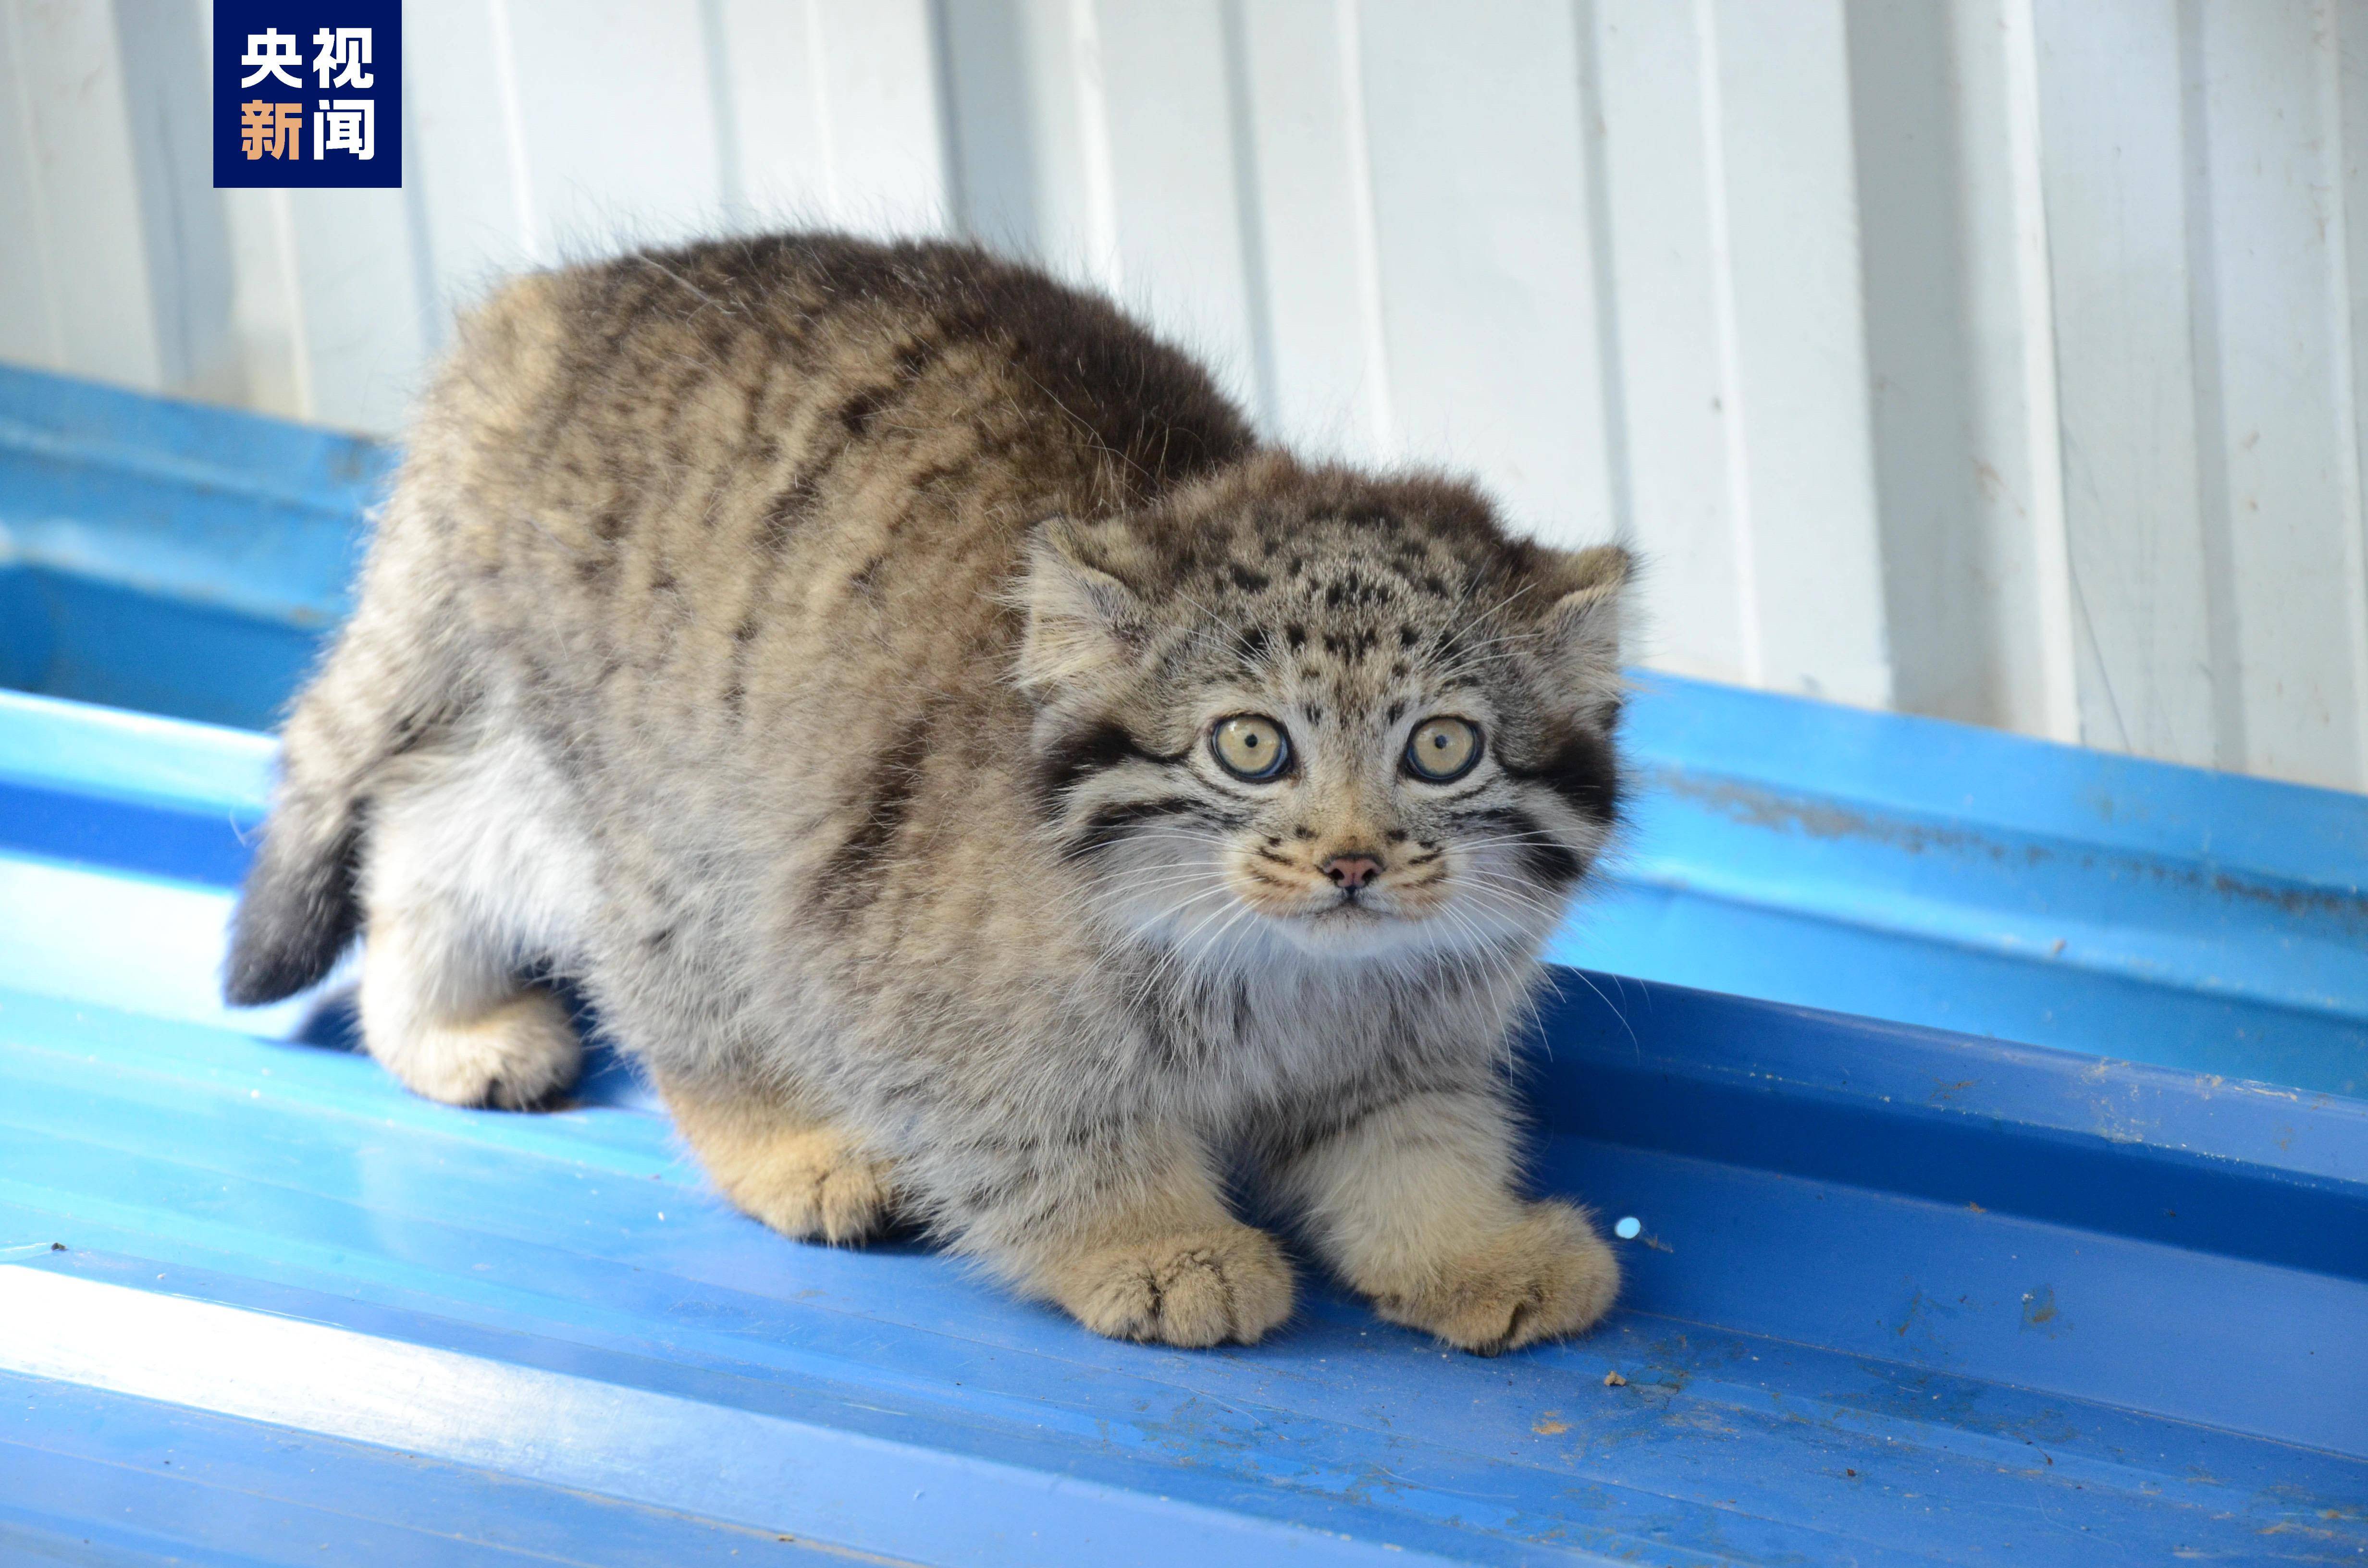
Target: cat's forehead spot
1367,541
1358,695
1350,617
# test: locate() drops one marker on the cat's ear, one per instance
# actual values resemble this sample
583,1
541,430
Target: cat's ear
1583,621
1080,619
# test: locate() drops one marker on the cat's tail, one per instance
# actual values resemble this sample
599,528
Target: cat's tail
377,695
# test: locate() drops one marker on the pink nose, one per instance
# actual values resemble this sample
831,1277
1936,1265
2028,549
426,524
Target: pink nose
1352,870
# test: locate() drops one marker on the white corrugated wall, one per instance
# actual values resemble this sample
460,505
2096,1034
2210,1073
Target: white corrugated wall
1990,358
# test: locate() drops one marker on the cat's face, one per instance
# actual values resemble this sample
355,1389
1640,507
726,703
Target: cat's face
1339,717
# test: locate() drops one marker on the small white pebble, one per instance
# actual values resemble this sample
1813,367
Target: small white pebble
1629,1229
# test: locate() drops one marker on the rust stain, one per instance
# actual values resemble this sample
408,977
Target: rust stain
1545,1428
1818,818
1756,807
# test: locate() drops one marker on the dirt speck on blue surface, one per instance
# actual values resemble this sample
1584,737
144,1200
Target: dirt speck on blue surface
2039,1312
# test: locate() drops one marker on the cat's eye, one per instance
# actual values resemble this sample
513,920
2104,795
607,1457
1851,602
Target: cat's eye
1443,750
1251,746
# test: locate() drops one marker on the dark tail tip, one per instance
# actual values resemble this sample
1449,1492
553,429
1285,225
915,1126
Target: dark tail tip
295,917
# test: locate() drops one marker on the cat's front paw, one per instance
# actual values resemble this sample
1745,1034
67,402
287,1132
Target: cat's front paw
1547,1275
1195,1289
811,1183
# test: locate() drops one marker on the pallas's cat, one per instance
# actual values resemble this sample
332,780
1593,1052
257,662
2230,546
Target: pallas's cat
982,783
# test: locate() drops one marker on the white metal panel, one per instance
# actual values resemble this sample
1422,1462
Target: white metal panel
1998,358
329,309
1962,365
86,192
2113,142
1480,221
617,118
1166,105
266,314
181,229
332,309
466,163
1785,218
2273,163
986,102
1682,483
1323,364
1024,77
2350,20
776,148
365,325
30,331
2043,574
829,115
879,104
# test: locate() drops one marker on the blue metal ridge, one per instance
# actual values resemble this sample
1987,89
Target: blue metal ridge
2249,1171
1988,884
65,422
1990,1300
110,1478
1927,1075
175,1067
1976,1168
2157,922
81,751
73,636
112,786
1245,1401
2064,872
1766,757
168,555
1721,1445
720,1445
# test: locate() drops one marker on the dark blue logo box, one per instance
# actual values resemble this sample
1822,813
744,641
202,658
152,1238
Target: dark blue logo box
308,94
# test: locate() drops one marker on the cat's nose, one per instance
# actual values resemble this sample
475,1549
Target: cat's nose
1352,870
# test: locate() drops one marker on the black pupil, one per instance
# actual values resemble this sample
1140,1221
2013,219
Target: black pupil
1250,740
1439,739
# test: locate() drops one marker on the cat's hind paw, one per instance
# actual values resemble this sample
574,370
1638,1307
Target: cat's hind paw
1197,1289
1549,1275
520,1055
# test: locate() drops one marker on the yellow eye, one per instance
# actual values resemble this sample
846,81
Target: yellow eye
1251,746
1443,750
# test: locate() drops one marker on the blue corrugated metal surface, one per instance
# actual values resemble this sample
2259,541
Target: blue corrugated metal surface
1974,880
1901,1295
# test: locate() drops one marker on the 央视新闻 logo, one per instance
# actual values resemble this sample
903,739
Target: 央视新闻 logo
308,94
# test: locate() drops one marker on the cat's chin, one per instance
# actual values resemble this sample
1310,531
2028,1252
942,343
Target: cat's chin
1350,933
